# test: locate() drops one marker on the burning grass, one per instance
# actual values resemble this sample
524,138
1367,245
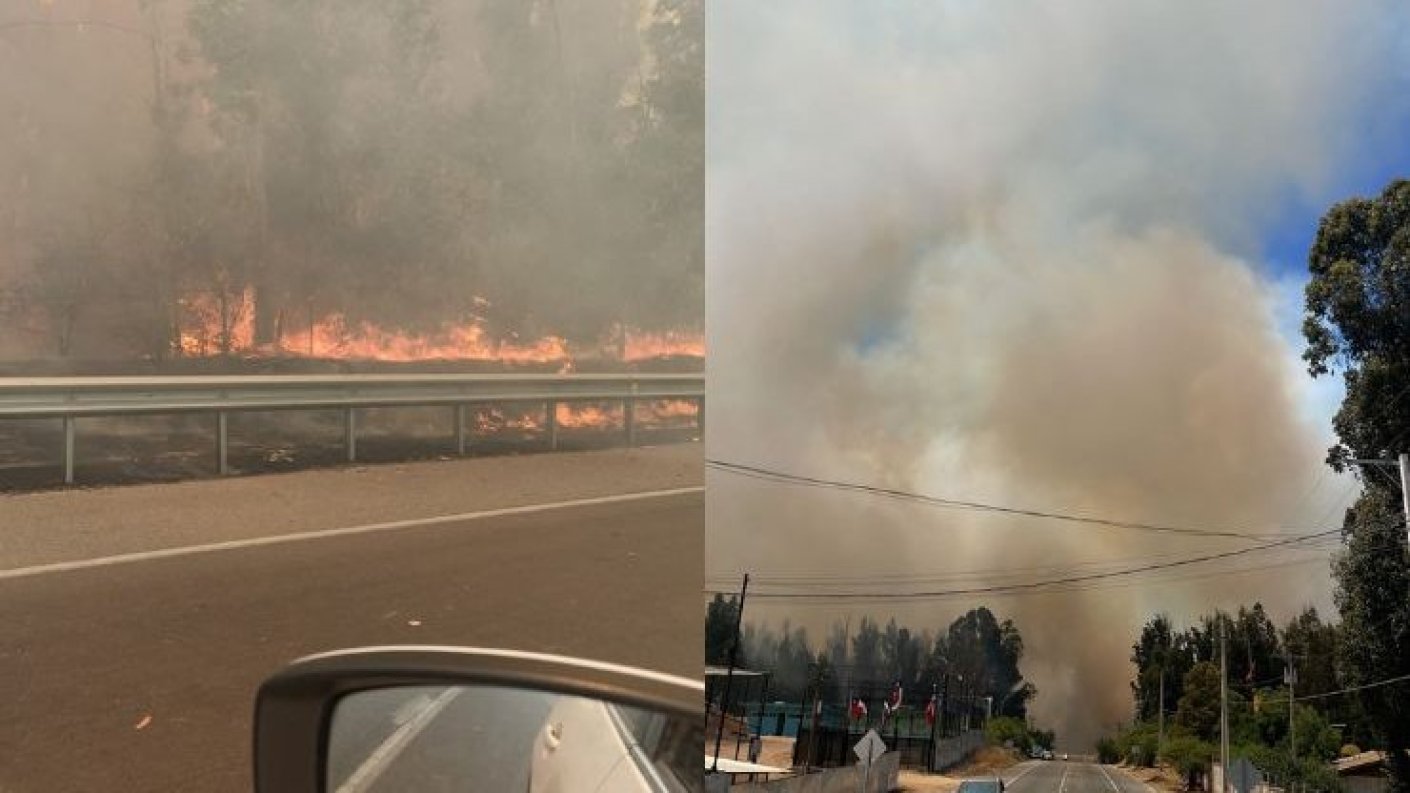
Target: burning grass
223,325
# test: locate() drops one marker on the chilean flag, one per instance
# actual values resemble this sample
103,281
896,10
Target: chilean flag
931,711
893,702
859,709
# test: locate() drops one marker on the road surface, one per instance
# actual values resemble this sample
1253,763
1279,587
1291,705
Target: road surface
131,647
1056,776
436,739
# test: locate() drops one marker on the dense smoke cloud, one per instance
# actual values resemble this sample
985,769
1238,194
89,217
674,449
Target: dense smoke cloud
263,167
1010,252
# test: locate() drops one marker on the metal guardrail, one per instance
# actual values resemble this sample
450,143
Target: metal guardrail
70,398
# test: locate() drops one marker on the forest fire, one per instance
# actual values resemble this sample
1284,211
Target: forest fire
214,325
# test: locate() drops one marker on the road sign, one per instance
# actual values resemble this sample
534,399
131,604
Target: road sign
870,748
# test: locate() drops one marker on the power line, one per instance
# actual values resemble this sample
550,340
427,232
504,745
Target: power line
822,598
1323,544
990,576
1352,689
766,474
1044,584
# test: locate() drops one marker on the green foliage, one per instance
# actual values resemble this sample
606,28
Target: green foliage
1188,755
1140,744
1108,750
1198,709
1002,730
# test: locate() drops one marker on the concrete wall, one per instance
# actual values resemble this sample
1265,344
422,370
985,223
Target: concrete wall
953,751
884,777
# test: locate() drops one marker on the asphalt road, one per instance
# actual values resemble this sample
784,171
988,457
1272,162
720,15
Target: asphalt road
436,740
1056,776
138,675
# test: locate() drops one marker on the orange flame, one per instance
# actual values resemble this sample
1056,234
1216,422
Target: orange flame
212,324
644,346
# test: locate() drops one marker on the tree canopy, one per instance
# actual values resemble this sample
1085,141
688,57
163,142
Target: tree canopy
1358,324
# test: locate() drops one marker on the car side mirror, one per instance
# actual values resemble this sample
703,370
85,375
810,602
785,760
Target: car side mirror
440,718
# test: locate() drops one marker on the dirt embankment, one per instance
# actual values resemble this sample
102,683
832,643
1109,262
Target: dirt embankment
989,761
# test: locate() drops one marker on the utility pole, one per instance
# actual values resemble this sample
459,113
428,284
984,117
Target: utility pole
1405,490
1160,718
1291,674
1223,705
729,673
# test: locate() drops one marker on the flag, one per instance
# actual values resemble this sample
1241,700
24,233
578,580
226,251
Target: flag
893,702
859,709
931,710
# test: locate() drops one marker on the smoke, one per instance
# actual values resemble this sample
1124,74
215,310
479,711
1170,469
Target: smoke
1011,252
532,167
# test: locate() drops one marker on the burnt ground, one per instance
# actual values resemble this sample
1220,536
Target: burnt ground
161,449
130,450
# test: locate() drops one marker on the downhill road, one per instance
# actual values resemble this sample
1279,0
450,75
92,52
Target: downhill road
1056,776
130,656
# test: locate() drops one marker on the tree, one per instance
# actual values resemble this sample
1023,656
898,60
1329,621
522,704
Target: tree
1190,756
1159,653
1358,322
1006,730
986,654
1198,709
720,619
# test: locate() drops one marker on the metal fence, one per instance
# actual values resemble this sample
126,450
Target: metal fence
70,398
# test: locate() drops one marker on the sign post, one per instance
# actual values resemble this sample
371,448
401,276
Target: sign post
869,749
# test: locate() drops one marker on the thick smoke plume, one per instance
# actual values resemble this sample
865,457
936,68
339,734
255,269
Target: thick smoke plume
1010,252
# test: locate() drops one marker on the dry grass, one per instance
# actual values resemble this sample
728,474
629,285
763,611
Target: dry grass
988,761
1163,778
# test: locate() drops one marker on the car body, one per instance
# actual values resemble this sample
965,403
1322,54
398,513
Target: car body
981,785
1047,754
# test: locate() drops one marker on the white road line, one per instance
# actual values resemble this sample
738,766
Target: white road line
1063,784
324,534
1109,780
1031,765
382,758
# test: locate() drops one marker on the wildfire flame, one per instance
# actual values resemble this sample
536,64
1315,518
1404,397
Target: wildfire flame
215,325
656,414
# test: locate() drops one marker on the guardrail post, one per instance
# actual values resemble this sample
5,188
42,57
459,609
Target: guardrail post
550,423
460,429
350,433
629,415
222,442
68,449
629,420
